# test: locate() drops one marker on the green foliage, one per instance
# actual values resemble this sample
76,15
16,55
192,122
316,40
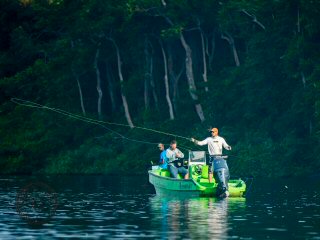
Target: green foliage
172,32
267,108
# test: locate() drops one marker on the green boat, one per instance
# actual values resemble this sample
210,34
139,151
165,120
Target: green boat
198,183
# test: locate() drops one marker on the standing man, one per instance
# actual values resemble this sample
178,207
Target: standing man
218,164
174,154
163,162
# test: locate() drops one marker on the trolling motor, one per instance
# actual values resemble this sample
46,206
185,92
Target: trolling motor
221,176
221,173
198,159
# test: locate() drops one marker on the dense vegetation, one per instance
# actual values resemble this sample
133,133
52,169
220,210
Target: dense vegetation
250,68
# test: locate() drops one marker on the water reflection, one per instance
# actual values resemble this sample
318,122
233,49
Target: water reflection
99,207
194,218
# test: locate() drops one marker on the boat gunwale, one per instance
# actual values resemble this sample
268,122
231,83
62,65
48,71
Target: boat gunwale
170,178
201,188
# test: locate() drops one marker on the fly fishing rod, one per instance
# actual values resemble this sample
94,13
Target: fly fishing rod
30,104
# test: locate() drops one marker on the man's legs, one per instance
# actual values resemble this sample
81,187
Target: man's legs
210,169
210,177
173,171
184,172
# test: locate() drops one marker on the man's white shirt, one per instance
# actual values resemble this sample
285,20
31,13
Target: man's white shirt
215,145
172,154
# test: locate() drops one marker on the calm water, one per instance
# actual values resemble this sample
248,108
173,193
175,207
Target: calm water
103,207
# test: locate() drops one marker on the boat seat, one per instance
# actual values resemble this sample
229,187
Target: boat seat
205,172
179,176
203,180
164,173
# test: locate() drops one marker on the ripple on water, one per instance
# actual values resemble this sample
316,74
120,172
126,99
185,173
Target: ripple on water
276,229
98,213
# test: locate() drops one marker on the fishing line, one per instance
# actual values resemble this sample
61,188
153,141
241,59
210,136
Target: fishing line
126,138
183,146
100,123
77,117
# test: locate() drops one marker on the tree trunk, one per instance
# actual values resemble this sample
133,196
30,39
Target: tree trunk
204,61
310,127
211,53
152,84
98,82
146,75
190,77
174,78
230,40
80,93
303,80
123,96
76,76
146,94
189,73
110,87
298,21
166,81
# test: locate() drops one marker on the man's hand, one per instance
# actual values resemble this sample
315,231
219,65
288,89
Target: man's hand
178,155
193,140
229,148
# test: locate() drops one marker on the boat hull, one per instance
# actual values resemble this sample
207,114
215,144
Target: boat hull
194,187
165,186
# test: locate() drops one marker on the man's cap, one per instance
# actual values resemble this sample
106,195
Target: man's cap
213,130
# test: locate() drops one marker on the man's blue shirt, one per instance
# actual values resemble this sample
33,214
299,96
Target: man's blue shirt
163,160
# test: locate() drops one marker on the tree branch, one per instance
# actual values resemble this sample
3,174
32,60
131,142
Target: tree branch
226,36
254,19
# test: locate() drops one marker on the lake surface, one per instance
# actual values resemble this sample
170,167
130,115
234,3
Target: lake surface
105,207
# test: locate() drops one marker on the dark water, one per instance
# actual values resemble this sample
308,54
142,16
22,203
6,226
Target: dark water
105,207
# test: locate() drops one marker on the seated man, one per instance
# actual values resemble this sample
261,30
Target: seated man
163,162
173,154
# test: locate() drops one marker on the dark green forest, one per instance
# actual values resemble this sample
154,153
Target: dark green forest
250,68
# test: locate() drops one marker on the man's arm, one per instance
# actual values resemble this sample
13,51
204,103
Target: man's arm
200,143
225,144
179,154
163,157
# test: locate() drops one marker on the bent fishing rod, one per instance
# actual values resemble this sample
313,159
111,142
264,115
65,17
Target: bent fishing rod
30,104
